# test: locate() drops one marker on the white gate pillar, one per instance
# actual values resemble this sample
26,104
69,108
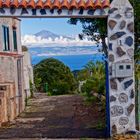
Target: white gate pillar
121,66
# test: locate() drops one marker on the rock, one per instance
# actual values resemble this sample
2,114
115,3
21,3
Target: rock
120,52
118,16
70,12
128,84
2,10
117,35
130,52
130,109
129,41
128,14
123,120
132,95
33,12
102,12
24,11
122,24
43,12
113,84
52,11
112,10
114,129
112,24
116,110
123,98
110,46
110,70
112,99
59,11
111,58
130,27
12,10
120,79
91,12
81,11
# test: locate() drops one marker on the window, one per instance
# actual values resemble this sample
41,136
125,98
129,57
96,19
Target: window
6,44
15,39
121,67
128,67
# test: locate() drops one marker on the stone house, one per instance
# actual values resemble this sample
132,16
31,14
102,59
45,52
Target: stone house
12,85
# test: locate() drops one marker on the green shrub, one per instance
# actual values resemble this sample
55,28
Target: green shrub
59,78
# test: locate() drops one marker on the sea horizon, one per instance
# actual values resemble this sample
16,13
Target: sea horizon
74,62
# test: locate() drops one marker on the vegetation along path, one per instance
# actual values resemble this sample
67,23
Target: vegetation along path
64,116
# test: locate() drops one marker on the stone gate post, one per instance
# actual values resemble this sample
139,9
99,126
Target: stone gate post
121,66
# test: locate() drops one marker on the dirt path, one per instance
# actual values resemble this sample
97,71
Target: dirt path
56,117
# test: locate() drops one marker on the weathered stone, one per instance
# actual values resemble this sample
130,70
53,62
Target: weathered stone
33,12
112,24
128,14
116,111
24,11
129,41
91,11
110,70
114,129
70,12
12,10
110,46
117,35
102,12
112,10
123,98
120,52
130,52
2,10
123,120
113,84
118,16
120,79
128,84
59,11
43,12
130,27
128,9
111,58
81,11
112,99
130,109
122,24
132,95
52,11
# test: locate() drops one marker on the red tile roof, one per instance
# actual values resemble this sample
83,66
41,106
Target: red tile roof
51,4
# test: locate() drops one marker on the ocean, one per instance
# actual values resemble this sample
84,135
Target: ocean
74,62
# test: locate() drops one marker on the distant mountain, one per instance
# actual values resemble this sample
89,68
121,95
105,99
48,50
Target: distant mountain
46,34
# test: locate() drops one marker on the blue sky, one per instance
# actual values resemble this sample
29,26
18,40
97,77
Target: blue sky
56,25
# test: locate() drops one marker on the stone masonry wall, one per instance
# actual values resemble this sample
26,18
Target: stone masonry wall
121,66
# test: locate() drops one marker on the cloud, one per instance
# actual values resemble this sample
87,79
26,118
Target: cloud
31,41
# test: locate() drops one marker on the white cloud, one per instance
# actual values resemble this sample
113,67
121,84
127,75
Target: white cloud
31,41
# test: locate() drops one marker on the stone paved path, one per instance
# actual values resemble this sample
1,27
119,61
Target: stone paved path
56,117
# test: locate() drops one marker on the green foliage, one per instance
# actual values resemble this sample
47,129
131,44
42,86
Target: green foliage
31,89
58,76
24,48
95,81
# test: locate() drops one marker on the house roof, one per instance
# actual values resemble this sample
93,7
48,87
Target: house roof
52,4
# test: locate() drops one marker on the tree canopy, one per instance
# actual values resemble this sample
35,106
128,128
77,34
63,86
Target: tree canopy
98,25
59,78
